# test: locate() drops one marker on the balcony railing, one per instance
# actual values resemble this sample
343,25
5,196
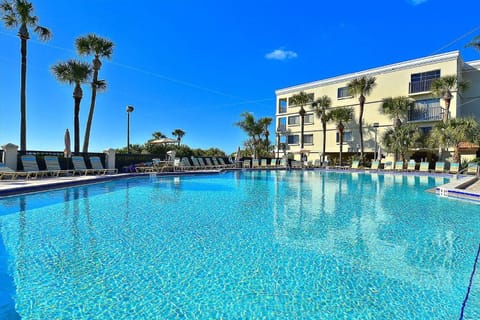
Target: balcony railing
420,86
425,113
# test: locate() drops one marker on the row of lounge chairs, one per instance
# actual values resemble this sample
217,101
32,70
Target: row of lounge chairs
263,163
53,168
440,167
185,164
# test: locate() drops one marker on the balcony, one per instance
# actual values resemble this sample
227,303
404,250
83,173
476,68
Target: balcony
420,86
425,113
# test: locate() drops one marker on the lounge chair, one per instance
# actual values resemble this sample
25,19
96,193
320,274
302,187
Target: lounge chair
454,167
388,166
217,164
424,166
185,164
439,167
80,167
53,166
224,164
355,164
246,164
6,172
30,165
399,166
263,163
411,166
283,163
472,168
317,163
96,164
273,163
296,164
375,164
255,163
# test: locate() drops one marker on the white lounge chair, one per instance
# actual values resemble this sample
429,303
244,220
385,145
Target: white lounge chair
81,167
30,165
96,164
53,166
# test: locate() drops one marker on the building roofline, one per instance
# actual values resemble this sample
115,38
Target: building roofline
474,64
374,71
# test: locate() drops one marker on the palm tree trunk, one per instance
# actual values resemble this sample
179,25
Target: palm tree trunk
360,124
77,96
324,126
447,110
23,98
86,140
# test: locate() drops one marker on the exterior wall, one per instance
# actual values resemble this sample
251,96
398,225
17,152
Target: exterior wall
471,97
391,81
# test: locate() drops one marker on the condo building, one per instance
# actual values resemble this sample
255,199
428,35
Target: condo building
411,78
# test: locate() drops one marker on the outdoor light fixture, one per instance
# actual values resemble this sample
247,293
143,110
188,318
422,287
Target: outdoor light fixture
129,110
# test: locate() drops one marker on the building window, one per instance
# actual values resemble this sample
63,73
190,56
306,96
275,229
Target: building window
347,136
421,82
293,139
282,124
308,119
282,105
426,110
343,93
293,120
308,138
311,98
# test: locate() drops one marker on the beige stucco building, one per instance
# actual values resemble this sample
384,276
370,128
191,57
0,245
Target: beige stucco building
411,78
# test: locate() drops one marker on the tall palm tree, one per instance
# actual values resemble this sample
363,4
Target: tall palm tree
20,13
301,99
320,107
100,48
265,123
252,128
179,133
361,87
397,108
399,139
443,87
74,72
339,116
475,43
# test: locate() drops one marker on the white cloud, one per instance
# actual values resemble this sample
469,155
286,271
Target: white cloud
281,54
416,2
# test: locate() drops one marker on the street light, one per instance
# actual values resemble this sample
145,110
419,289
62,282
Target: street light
375,155
129,110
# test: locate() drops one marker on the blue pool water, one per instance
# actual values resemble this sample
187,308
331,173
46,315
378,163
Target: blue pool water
273,245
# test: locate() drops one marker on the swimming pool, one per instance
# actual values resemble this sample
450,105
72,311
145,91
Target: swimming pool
251,244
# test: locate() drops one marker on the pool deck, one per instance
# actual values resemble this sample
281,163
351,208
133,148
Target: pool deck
463,187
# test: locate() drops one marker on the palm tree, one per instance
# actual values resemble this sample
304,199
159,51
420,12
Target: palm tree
442,87
320,107
399,139
398,108
300,100
361,87
265,123
179,133
253,128
339,116
455,131
20,13
158,135
475,43
74,72
100,48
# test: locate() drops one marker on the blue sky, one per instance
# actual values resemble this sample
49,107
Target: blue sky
197,65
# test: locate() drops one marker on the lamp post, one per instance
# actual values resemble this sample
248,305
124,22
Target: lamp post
129,110
375,154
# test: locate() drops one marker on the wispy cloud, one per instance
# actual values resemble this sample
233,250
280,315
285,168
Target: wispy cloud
416,2
281,54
